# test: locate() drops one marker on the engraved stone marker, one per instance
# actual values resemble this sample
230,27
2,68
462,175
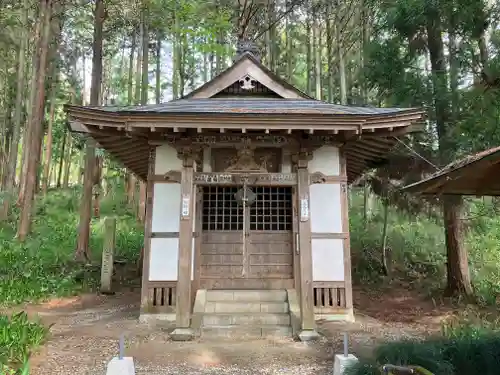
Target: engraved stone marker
108,254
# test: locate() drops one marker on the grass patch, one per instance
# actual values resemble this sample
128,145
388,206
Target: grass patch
43,265
19,338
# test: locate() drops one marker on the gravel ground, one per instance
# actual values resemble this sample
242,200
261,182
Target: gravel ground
85,333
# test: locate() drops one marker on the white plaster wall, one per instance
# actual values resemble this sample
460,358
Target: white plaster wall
166,207
326,160
166,218
286,163
325,208
327,259
166,160
207,159
163,259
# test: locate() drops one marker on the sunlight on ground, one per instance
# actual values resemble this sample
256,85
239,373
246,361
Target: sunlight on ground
205,358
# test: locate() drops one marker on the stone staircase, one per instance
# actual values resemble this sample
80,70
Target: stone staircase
246,314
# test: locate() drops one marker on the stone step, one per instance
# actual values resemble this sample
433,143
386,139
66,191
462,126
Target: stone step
249,332
256,319
246,307
247,295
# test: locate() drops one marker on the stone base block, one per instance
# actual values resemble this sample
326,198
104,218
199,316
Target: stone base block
342,362
182,334
308,335
344,316
124,366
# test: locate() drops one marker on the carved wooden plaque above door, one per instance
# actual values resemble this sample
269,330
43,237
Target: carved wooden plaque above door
268,158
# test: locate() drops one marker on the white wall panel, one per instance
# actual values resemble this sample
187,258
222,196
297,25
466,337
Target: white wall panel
163,259
326,160
326,211
286,163
207,159
166,160
327,259
166,207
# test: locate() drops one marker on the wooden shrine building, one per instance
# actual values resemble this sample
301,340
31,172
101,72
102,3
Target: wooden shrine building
247,191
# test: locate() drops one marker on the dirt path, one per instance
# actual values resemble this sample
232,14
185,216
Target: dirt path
85,333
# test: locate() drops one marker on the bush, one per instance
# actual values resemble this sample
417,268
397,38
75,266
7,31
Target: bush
442,356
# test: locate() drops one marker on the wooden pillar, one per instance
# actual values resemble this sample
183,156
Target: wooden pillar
305,254
183,305
147,232
347,241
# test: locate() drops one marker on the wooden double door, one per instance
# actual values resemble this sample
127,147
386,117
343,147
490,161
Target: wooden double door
246,246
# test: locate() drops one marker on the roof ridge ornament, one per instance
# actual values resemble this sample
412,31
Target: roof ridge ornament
246,46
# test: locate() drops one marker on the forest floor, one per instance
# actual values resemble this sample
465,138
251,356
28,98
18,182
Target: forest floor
85,332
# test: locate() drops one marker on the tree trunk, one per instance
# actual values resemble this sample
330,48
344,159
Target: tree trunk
61,159
329,53
67,168
130,81
138,75
289,44
365,19
14,144
383,252
82,248
457,266
205,67
341,64
36,128
131,189
309,51
141,214
37,39
158,71
130,99
317,54
48,146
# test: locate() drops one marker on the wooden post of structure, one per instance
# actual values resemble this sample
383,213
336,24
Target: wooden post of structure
347,241
108,254
183,332
308,324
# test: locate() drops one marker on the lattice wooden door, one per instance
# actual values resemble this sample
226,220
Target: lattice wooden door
246,247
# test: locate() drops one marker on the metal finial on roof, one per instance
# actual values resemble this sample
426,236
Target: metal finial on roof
243,46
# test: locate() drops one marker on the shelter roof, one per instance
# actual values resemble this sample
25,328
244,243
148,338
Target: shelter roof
473,175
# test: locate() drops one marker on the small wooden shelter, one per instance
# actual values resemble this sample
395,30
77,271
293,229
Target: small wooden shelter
473,175
247,188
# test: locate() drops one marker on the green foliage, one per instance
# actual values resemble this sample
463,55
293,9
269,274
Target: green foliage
416,244
466,353
19,337
43,266
417,248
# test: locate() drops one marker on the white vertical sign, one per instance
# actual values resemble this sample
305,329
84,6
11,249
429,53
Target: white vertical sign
304,209
185,206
